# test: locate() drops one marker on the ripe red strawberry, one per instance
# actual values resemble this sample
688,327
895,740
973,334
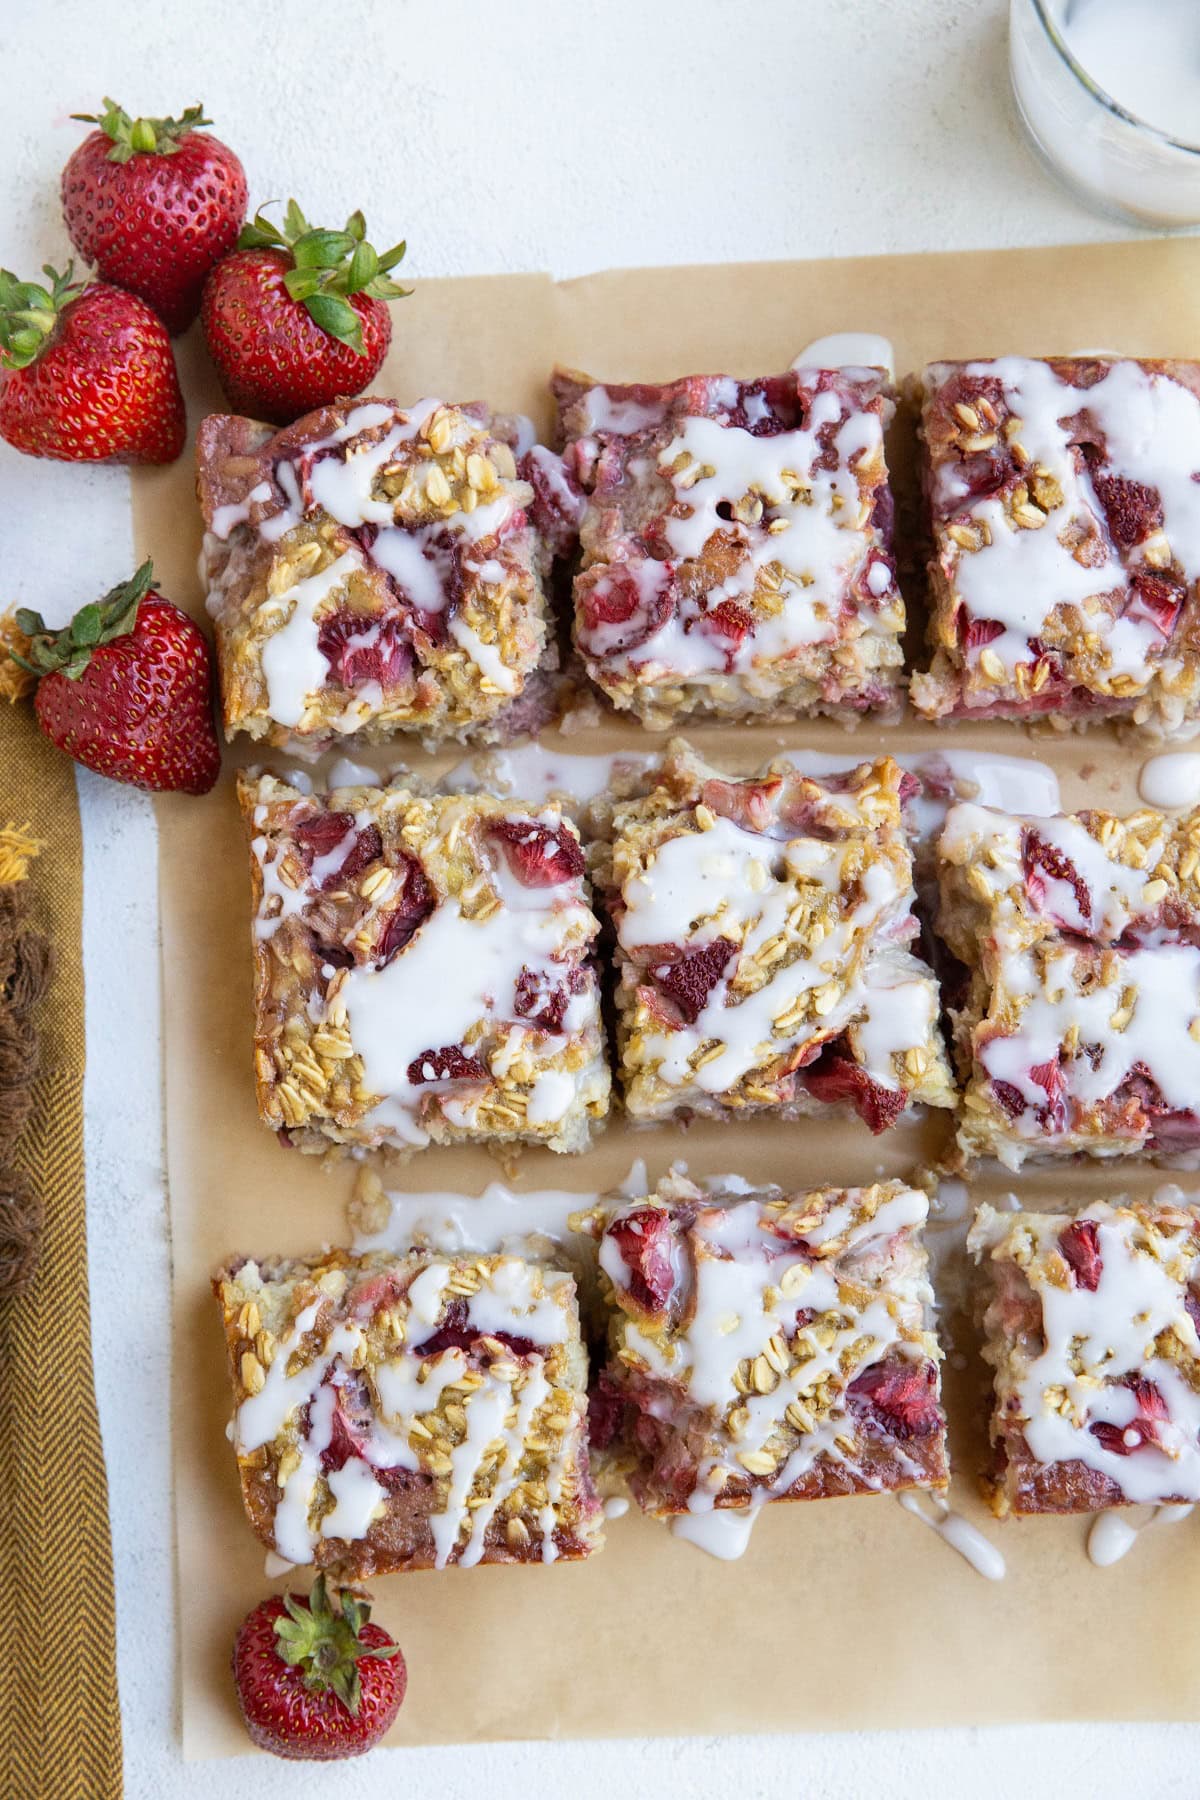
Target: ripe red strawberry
126,689
315,1679
86,374
154,204
295,319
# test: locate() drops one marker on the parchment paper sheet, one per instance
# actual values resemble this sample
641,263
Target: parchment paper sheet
842,1613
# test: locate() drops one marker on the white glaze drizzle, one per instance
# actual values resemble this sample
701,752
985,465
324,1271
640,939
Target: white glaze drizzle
955,1530
1171,782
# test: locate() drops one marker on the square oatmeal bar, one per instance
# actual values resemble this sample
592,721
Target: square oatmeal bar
763,932
1090,1327
1079,1030
737,544
769,1347
375,568
423,970
1064,500
409,1411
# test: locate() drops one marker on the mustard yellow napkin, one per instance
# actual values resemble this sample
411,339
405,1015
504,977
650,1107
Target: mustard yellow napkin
60,1723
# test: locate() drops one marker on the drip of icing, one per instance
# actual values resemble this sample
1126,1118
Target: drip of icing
1114,1533
1172,781
535,773
275,1566
722,1531
616,1507
958,1532
345,773
849,350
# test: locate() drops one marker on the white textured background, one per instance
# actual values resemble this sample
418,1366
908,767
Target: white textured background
515,135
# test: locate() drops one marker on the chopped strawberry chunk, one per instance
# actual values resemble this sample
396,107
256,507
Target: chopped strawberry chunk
360,647
1133,510
456,1332
321,834
1191,1305
621,607
450,1063
1009,1097
751,804
1041,860
688,976
836,1077
539,855
1143,1428
643,1241
1050,1077
1080,1244
767,407
729,621
900,1396
544,1002
973,633
1157,597
408,911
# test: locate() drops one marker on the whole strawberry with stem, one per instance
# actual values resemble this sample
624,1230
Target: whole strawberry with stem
126,688
297,317
86,373
315,1679
154,204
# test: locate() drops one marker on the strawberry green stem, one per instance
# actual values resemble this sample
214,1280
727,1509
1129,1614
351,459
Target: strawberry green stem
328,267
133,137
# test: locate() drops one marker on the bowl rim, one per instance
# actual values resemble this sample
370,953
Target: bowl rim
1093,87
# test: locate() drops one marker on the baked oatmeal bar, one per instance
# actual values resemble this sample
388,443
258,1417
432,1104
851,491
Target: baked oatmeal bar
423,969
1080,1028
406,1412
763,931
374,568
1090,1326
769,1347
1064,499
737,544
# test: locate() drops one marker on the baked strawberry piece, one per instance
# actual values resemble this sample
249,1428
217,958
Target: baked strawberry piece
1080,1030
423,970
1064,503
374,569
764,933
1090,1327
409,1411
770,1347
737,544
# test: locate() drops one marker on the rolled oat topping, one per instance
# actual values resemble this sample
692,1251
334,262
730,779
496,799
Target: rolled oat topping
1091,1331
771,1347
763,930
737,543
424,969
1081,1028
410,1411
1065,506
375,568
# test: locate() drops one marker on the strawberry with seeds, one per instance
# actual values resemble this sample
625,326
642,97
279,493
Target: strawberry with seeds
154,204
297,318
86,373
126,689
316,1680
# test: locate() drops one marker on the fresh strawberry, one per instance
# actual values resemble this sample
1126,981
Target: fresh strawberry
86,373
316,1680
900,1396
126,689
154,204
296,318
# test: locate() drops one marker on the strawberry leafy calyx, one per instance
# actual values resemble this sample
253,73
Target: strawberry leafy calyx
68,651
29,313
150,137
328,267
322,1639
